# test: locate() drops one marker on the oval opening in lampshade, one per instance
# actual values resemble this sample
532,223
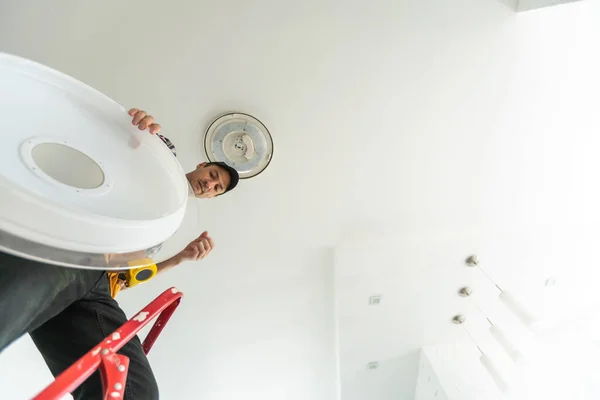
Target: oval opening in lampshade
67,165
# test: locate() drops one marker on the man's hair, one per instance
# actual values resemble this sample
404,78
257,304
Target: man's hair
234,177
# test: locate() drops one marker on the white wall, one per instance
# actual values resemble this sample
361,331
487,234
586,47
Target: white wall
428,385
460,373
257,334
394,379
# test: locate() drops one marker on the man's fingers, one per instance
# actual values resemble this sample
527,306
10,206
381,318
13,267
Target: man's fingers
203,236
202,250
207,245
154,128
199,248
138,117
143,121
199,238
146,122
211,243
195,253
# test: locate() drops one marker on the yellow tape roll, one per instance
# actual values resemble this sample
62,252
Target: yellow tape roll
139,275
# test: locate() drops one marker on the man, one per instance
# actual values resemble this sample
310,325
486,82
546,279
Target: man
208,180
68,311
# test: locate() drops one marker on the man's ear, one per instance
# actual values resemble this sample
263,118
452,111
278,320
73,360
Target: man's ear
201,165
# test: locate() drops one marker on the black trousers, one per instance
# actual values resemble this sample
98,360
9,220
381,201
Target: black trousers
67,312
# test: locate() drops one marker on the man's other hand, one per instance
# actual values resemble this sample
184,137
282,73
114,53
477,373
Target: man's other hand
197,249
143,120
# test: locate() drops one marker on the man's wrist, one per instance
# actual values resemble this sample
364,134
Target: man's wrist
170,263
176,260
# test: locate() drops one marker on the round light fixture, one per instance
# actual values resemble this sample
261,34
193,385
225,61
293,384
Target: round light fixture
241,141
80,185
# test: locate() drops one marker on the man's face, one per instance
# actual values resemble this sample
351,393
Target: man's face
208,180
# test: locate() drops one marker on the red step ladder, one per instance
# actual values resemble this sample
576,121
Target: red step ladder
113,366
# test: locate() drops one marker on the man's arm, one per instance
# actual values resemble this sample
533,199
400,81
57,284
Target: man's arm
197,249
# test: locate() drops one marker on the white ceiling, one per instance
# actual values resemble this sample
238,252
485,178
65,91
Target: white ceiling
408,134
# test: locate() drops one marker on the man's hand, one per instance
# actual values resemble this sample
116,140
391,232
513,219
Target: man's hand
142,120
197,249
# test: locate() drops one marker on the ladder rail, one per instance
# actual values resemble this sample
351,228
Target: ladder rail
113,367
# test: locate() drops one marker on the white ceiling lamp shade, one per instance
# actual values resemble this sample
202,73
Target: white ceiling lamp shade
487,362
507,344
494,372
79,184
241,141
522,313
496,331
